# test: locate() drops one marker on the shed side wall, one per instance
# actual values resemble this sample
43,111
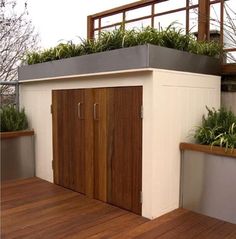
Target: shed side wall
179,102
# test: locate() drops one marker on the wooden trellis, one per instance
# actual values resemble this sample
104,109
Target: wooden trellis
95,25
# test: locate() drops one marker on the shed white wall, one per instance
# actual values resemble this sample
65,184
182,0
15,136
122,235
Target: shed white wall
173,104
178,103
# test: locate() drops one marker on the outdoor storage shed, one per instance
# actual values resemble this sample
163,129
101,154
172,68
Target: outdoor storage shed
111,122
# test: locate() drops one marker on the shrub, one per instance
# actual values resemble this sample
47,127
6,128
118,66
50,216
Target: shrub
218,128
12,119
211,48
149,35
171,37
59,52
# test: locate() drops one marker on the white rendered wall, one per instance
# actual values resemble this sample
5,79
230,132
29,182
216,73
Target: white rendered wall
173,104
178,102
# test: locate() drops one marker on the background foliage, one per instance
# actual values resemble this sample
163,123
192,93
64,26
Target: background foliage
218,128
12,119
17,36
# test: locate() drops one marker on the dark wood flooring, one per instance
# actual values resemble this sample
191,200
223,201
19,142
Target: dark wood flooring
34,208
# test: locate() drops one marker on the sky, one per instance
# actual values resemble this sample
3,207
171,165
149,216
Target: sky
58,20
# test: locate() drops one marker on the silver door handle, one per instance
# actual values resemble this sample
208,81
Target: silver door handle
79,110
95,111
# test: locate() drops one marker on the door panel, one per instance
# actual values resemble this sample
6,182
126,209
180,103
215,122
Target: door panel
68,138
100,143
125,150
89,143
97,143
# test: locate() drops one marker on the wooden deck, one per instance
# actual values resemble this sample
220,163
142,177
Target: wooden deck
34,208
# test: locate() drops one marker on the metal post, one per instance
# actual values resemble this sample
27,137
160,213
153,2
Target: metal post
16,85
17,100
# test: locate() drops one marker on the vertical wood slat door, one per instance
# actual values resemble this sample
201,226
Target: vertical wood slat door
101,142
103,148
70,148
125,147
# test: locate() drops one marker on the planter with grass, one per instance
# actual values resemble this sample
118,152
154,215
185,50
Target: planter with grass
17,145
208,168
121,50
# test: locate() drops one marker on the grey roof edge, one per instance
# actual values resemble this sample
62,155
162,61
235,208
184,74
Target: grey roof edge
172,59
92,75
137,57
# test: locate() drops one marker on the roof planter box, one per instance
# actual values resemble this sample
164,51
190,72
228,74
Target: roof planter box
138,57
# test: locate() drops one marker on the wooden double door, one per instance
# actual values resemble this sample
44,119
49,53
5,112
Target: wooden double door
97,143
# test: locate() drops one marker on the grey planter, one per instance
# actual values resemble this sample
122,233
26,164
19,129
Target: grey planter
17,155
208,182
145,56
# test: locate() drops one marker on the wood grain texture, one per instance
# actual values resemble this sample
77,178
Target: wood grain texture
98,147
34,208
208,149
101,143
130,6
125,156
203,20
68,139
90,27
228,69
15,134
89,143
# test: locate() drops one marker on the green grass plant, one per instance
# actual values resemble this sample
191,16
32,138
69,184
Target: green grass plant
171,37
218,129
12,119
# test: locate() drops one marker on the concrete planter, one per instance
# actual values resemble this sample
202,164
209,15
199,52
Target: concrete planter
17,155
208,181
138,57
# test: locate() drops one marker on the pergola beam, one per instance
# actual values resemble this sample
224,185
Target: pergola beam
203,20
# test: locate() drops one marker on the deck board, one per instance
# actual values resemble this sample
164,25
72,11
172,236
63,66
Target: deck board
34,208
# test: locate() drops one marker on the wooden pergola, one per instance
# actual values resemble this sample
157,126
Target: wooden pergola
203,7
